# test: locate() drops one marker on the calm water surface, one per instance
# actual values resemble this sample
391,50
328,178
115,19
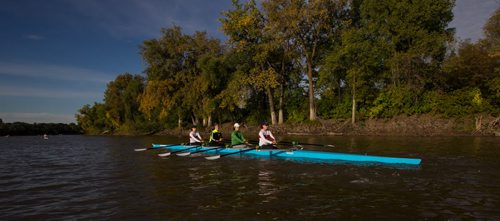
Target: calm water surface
93,177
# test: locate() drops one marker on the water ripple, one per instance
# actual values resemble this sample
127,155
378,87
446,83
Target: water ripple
85,177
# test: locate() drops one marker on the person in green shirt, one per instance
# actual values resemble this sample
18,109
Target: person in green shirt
237,139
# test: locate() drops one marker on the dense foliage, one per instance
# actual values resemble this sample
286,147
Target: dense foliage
18,128
296,60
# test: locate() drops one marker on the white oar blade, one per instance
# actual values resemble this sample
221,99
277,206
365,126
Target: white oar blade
213,157
141,149
329,145
183,154
164,154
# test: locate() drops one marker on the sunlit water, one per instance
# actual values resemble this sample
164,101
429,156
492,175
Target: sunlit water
92,177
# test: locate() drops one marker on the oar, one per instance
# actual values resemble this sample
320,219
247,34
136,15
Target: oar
158,147
308,144
144,149
168,153
199,151
227,154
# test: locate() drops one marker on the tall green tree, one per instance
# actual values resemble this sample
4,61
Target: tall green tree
287,63
164,58
244,26
121,99
395,42
92,119
492,34
311,26
491,42
173,71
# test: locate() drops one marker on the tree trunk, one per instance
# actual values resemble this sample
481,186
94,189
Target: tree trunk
280,111
209,121
479,119
179,123
340,97
353,119
312,107
271,106
194,120
204,121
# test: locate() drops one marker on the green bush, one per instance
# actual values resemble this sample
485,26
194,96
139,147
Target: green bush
331,107
457,103
395,100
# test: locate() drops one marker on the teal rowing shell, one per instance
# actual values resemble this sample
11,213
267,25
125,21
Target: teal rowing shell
302,154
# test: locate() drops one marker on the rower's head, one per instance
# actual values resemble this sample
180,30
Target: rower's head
216,127
193,128
264,125
236,126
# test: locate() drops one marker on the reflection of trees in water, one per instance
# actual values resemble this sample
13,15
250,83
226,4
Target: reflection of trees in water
353,144
267,186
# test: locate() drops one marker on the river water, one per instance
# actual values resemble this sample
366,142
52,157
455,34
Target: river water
101,177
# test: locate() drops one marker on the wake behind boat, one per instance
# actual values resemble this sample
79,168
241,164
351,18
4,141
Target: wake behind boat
293,154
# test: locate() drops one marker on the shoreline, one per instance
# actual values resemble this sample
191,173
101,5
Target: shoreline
404,126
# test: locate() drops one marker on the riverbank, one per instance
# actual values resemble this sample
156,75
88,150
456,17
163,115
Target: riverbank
398,126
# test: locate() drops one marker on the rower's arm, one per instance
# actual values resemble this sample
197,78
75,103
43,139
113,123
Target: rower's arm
236,138
263,138
195,138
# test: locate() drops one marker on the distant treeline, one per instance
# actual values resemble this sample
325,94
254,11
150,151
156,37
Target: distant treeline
300,60
19,128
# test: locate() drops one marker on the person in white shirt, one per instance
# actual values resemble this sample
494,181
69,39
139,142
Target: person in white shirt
266,138
194,137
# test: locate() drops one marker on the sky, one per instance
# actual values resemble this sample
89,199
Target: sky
58,55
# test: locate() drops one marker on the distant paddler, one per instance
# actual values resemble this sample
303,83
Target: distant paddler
216,138
266,138
237,138
194,137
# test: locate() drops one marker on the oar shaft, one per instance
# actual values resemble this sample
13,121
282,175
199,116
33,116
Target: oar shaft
309,144
185,149
153,148
200,151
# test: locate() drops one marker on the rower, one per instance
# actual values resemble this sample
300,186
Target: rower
266,138
194,137
216,137
237,139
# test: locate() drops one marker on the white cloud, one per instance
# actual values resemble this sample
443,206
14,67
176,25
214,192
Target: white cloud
8,117
34,37
146,18
57,72
23,91
133,18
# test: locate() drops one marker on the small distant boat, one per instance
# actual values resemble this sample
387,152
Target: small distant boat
45,137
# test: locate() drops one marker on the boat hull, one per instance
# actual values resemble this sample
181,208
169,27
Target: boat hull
301,154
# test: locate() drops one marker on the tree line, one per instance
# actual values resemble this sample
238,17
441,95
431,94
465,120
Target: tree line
300,60
20,128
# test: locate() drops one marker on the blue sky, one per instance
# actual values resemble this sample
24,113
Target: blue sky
57,55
